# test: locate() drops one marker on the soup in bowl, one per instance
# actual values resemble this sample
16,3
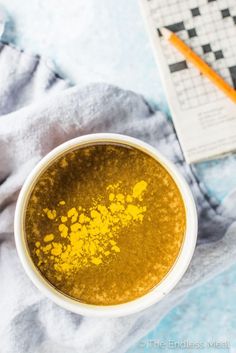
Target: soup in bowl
105,225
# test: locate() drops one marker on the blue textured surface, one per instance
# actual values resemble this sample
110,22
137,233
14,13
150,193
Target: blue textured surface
205,317
106,41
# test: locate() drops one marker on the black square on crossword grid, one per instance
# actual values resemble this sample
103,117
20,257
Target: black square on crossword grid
195,12
192,33
225,13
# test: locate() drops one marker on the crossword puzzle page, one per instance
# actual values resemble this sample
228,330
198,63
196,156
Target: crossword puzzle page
204,118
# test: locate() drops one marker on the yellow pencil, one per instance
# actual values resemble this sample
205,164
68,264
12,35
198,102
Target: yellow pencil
202,66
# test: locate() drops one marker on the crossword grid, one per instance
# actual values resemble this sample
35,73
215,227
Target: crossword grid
209,28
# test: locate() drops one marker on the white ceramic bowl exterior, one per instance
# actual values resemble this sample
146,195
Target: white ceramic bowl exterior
168,282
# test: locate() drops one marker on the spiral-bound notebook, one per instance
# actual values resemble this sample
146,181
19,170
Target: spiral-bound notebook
204,118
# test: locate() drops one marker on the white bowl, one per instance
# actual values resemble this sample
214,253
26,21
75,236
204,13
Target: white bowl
162,288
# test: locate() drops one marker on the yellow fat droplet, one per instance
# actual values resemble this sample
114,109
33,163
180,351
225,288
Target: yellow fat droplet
139,188
48,237
116,248
51,214
96,261
111,197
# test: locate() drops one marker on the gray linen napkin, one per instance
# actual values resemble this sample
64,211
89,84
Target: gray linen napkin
38,111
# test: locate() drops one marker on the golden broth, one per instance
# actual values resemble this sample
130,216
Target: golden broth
105,223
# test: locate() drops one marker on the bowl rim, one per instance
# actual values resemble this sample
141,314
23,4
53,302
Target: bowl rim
168,282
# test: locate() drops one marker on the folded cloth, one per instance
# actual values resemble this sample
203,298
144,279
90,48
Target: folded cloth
38,111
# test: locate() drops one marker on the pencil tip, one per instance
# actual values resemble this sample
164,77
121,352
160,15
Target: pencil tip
166,33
